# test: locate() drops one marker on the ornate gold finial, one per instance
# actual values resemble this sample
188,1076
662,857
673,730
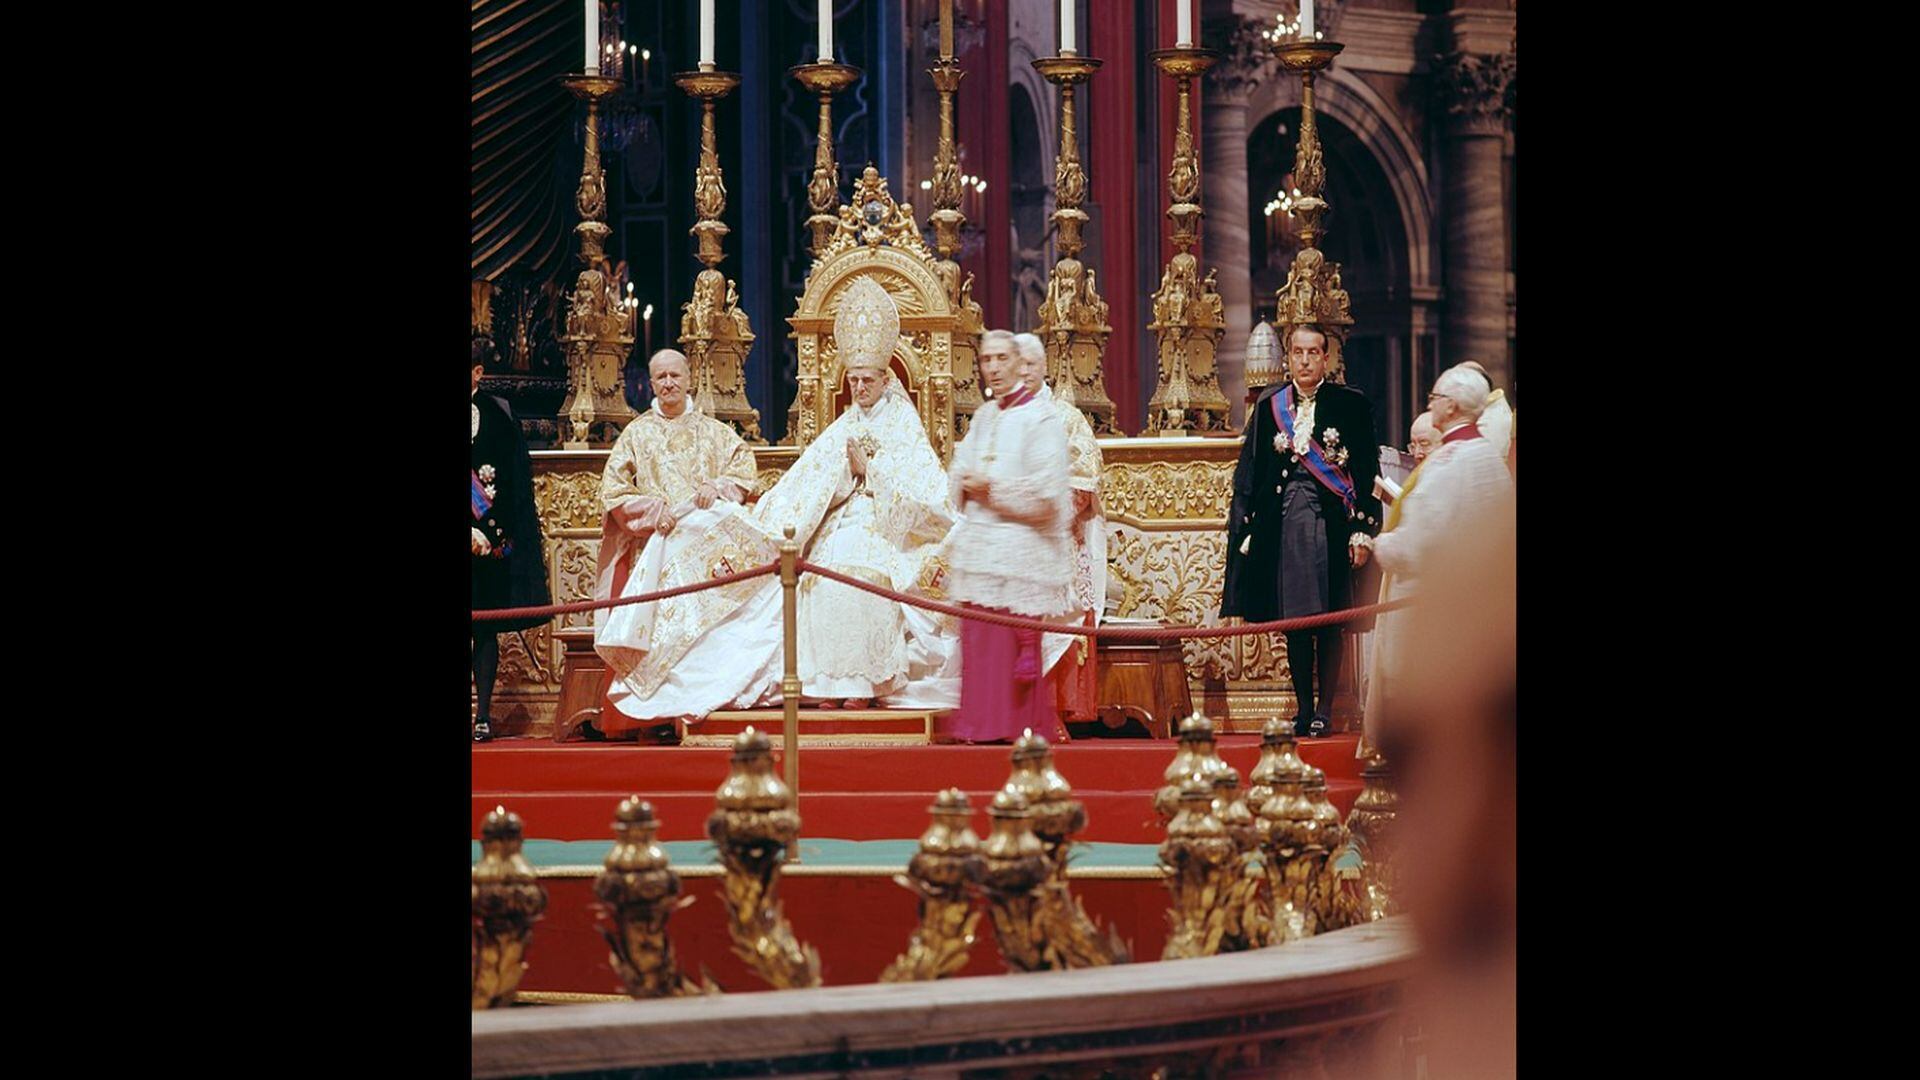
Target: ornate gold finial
1285,823
1371,826
867,324
1294,858
638,892
752,824
1014,869
1278,761
940,874
1336,895
1071,939
507,901
1198,859
1196,754
1248,910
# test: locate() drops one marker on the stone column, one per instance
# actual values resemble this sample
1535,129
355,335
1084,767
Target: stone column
1474,322
1246,63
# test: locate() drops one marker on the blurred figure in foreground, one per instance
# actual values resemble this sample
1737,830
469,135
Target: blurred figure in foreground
1450,733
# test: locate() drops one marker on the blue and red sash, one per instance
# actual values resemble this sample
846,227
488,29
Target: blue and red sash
1331,477
481,504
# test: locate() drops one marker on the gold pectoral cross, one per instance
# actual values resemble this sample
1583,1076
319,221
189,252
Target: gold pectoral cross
869,446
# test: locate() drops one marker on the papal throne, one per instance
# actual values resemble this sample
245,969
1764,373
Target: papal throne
877,237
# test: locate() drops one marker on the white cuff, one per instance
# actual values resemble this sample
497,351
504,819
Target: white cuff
1360,539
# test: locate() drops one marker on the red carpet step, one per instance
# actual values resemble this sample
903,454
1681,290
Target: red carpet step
854,793
1103,764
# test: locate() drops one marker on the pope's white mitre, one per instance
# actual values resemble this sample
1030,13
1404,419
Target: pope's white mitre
866,325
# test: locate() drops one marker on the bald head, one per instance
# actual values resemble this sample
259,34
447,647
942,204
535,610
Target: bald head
669,373
1424,438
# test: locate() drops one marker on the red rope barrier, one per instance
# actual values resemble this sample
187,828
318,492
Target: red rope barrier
1112,633
496,614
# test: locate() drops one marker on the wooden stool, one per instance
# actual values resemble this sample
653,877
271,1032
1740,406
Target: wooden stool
1145,680
582,674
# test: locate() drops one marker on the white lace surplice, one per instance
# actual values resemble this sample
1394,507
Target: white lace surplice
1000,563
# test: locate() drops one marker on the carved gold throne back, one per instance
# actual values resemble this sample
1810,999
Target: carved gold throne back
878,238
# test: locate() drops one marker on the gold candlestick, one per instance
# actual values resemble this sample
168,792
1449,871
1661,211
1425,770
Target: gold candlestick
599,330
1312,295
1073,318
1188,319
826,79
948,221
714,330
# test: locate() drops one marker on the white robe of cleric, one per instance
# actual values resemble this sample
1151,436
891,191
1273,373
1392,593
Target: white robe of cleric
999,563
1461,486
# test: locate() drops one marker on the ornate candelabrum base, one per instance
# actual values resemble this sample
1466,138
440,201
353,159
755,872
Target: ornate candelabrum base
1073,317
714,330
1188,319
599,330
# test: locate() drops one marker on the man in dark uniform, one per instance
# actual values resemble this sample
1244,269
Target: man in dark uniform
1304,515
509,566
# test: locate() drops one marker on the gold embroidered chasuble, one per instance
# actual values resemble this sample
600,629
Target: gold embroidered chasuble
668,459
663,461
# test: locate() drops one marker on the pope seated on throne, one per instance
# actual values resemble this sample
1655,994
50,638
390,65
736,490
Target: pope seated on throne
868,499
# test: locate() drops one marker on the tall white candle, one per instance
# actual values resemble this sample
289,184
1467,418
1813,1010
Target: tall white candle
1066,26
1306,20
1185,38
593,37
826,31
706,32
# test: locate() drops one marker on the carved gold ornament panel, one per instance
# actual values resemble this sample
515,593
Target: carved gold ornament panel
1189,492
568,500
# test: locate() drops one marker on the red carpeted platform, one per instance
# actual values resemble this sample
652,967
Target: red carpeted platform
568,792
